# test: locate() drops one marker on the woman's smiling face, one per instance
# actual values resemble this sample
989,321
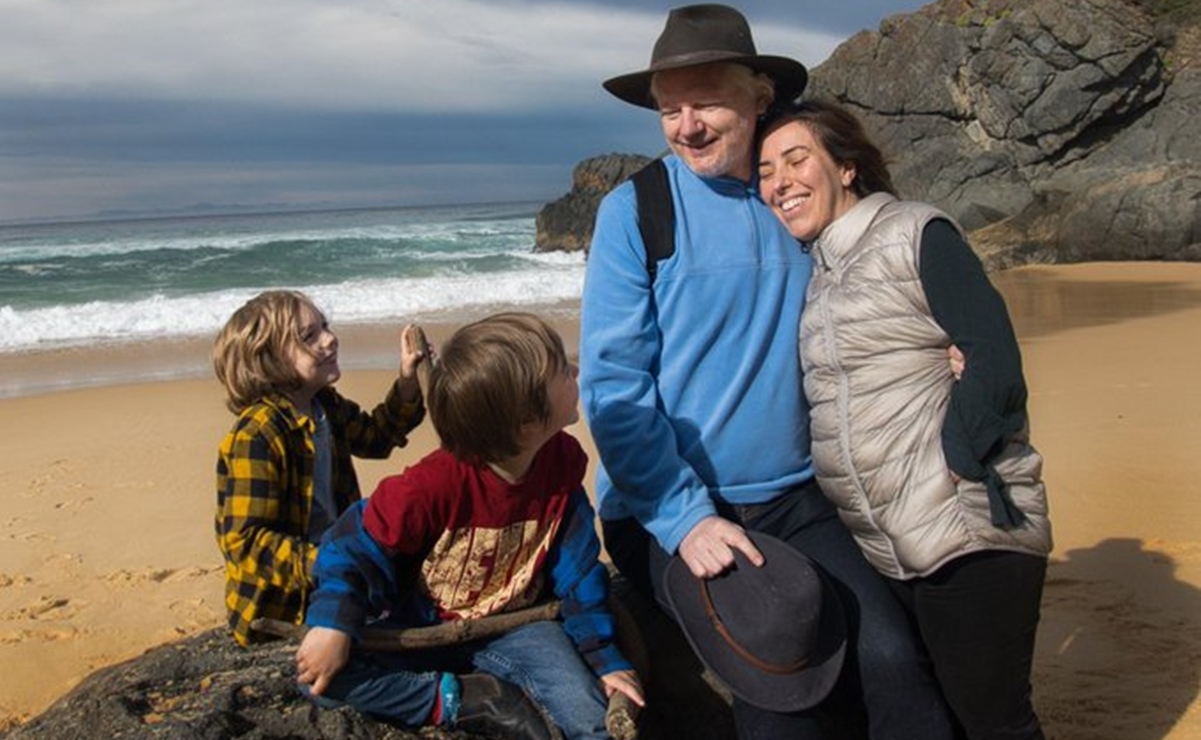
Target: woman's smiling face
801,182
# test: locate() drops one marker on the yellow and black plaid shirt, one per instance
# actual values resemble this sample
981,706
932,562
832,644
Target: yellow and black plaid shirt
265,495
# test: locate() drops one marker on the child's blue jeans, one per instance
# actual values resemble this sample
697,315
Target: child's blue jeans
540,658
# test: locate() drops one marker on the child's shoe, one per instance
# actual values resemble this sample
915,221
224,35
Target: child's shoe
496,708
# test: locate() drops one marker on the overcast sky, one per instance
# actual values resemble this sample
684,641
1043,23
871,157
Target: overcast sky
143,105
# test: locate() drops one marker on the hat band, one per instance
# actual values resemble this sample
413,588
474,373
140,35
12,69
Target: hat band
691,58
778,669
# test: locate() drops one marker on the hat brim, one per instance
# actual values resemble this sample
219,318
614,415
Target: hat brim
789,75
786,692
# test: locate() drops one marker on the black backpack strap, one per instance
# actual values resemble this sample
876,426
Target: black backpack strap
656,214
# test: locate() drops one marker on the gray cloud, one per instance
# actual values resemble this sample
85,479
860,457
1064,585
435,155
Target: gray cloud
144,104
448,56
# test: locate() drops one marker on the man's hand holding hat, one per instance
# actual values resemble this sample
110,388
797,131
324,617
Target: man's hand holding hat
708,550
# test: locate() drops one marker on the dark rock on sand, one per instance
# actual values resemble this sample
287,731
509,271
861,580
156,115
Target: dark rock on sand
202,687
207,688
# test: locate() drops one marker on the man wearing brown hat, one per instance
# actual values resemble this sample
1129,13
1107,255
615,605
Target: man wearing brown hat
691,384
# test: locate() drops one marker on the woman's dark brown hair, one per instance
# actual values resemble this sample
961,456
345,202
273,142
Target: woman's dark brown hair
842,135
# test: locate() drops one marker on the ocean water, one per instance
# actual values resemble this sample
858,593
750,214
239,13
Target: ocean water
88,283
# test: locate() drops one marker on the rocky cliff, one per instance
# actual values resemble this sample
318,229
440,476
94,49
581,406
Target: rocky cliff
1054,130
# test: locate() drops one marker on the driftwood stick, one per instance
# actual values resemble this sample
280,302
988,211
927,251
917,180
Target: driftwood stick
390,639
621,718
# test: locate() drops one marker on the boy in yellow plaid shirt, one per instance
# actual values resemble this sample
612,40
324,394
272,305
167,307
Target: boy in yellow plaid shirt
284,470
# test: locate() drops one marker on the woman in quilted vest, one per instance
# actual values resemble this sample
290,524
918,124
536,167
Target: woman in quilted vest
930,465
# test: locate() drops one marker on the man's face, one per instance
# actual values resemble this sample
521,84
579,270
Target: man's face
708,117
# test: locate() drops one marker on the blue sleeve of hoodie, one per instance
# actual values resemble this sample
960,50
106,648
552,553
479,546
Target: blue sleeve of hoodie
582,583
355,579
619,362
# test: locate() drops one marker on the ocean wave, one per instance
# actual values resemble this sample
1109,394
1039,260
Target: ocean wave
436,238
353,301
92,282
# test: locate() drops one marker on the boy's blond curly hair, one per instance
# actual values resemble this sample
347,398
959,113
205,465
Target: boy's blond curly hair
252,355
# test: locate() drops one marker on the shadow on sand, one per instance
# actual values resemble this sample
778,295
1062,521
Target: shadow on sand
1119,652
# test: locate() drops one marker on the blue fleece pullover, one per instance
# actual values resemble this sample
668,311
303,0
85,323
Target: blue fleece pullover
692,390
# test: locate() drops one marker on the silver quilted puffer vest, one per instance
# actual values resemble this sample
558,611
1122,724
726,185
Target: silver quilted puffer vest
878,380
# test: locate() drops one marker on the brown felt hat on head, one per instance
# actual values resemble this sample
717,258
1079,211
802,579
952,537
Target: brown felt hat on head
775,634
701,34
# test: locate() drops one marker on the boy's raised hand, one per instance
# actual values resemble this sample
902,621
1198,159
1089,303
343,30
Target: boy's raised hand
414,348
320,656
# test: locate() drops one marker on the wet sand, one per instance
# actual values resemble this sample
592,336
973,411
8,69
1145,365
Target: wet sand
1112,355
107,548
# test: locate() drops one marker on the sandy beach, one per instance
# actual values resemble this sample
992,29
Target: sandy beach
107,547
